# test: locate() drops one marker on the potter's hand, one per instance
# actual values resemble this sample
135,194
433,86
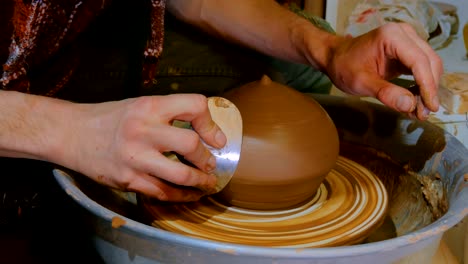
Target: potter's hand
358,66
362,66
122,145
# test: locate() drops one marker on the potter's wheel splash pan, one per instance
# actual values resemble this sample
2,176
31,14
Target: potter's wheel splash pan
422,147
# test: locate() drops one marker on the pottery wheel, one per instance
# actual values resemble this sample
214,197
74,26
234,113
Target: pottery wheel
350,203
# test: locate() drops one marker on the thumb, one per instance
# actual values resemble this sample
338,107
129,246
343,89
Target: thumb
392,95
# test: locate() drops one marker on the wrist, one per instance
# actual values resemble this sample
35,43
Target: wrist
55,122
331,47
63,132
316,46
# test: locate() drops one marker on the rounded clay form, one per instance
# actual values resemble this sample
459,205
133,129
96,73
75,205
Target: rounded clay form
289,145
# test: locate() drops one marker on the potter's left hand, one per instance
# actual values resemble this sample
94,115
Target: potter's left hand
362,66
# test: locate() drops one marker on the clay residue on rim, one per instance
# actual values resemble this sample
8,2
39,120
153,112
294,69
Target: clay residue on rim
415,200
117,222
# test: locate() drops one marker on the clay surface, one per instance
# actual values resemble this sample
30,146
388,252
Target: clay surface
289,145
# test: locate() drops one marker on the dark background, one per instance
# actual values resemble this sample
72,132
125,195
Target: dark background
39,222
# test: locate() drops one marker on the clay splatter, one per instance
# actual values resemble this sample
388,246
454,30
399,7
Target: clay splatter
117,222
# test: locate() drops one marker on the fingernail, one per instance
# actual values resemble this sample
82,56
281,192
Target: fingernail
435,101
405,103
211,187
220,138
211,164
425,113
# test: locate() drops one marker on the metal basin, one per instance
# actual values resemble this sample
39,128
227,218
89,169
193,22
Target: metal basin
436,161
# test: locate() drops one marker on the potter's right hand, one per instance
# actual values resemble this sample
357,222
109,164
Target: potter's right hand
362,66
121,144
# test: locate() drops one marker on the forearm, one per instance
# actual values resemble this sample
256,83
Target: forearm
262,25
34,126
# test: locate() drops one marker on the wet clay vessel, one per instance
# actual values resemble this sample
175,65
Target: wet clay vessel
289,145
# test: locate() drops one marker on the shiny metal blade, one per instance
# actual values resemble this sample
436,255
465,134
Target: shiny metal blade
226,115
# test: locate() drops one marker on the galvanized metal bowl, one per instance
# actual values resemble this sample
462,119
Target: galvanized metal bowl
423,148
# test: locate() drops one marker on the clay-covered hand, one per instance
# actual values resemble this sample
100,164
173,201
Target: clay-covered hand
362,66
122,144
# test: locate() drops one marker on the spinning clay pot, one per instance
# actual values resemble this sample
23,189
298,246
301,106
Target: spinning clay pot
289,145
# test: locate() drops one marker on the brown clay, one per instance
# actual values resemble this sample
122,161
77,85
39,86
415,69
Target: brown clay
348,207
289,145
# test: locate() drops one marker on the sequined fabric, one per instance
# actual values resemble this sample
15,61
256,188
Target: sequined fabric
44,30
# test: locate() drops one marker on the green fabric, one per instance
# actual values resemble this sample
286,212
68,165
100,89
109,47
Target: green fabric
317,21
191,62
195,62
303,77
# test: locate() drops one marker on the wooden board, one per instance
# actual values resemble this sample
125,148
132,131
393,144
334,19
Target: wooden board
453,92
